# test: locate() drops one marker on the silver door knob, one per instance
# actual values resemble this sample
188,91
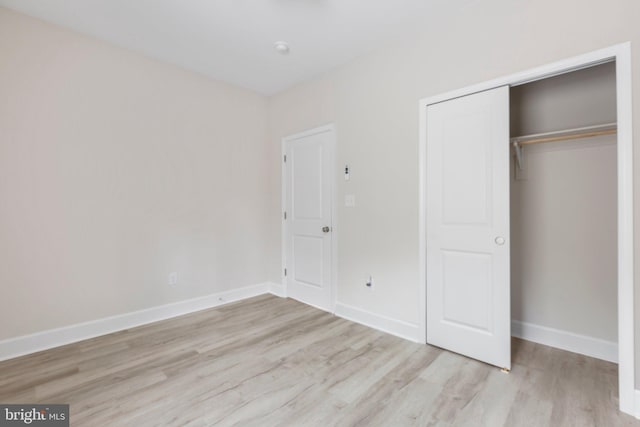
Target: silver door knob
499,240
326,229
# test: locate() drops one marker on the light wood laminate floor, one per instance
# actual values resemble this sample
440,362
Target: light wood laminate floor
269,361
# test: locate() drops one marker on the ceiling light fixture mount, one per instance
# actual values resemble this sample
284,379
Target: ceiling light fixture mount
282,47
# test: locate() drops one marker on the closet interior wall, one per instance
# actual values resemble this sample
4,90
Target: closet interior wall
564,207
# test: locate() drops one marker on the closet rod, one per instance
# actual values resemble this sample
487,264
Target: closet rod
563,135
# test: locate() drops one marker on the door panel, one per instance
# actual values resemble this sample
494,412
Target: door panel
308,260
468,279
307,163
466,179
308,172
467,276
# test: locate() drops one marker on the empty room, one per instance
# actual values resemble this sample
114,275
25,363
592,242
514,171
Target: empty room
319,213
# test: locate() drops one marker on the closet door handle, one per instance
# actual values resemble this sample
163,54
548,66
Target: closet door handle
499,240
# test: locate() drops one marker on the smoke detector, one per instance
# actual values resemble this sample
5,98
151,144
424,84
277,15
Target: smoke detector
281,47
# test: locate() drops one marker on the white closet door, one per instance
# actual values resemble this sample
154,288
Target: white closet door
468,295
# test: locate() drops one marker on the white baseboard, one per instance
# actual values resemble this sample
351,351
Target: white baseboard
26,344
277,289
637,404
395,327
582,344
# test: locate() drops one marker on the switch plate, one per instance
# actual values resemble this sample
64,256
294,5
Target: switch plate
173,279
349,200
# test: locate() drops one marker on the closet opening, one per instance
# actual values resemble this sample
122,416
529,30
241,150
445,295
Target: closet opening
564,211
597,94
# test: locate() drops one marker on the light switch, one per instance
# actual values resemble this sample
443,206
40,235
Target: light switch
349,200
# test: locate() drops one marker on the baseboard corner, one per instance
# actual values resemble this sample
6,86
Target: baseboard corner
277,289
399,328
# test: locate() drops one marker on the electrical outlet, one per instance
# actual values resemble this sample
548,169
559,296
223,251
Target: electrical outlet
173,279
369,282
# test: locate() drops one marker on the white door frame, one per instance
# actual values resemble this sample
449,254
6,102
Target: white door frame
334,217
621,53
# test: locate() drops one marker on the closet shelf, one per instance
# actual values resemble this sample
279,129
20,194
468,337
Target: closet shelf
562,135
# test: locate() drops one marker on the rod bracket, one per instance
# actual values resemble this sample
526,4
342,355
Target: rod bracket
518,150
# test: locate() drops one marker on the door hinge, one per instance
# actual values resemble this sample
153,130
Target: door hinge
285,271
285,214
285,158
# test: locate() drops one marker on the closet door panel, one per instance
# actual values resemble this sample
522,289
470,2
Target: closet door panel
466,181
468,295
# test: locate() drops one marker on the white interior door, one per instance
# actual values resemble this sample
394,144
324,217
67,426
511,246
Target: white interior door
308,223
468,283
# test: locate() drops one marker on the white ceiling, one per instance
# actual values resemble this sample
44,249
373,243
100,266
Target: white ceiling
232,40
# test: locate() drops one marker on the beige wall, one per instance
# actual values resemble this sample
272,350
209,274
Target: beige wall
581,98
116,170
374,104
563,238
